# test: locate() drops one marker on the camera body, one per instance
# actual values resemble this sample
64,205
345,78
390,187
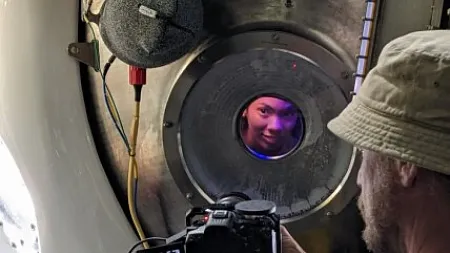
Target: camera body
249,227
234,224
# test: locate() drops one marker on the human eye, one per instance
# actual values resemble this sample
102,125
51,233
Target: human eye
263,111
288,114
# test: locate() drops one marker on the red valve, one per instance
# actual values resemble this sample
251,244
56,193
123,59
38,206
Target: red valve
137,76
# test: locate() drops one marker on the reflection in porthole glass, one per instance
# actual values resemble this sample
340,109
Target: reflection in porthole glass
271,127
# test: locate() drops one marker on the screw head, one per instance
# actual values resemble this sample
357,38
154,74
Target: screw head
345,75
201,59
189,195
288,4
167,124
275,36
74,50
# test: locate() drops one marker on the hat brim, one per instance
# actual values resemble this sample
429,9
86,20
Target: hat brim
367,128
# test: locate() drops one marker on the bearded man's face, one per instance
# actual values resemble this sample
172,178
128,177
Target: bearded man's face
377,202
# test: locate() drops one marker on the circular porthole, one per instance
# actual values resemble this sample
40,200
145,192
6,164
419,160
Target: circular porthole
292,84
270,127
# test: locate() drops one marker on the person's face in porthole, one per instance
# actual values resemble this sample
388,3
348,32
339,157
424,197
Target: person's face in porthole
271,126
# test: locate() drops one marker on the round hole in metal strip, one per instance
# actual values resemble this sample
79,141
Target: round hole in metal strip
205,148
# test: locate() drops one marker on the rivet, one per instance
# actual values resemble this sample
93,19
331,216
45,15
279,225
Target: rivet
74,50
167,124
275,36
345,75
288,4
201,59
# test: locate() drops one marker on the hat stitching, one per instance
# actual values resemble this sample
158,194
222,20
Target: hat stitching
404,118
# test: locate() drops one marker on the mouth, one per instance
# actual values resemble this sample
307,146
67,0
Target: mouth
270,138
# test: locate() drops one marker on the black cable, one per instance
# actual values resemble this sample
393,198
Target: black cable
145,240
111,59
137,92
117,122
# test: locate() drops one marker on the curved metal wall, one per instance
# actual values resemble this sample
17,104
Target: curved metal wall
161,204
35,109
44,125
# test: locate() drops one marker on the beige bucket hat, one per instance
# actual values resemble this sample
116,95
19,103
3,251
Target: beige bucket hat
403,106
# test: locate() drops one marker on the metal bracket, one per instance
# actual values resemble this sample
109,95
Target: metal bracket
86,52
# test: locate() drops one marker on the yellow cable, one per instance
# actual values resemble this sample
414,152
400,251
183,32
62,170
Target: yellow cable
132,167
114,112
133,172
132,164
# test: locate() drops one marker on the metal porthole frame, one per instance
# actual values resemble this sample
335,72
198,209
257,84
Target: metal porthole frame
201,61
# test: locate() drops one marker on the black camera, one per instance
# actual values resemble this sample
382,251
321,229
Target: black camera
234,224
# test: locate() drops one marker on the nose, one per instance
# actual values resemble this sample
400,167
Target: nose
275,124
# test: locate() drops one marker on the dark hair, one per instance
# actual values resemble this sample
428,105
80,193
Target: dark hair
297,131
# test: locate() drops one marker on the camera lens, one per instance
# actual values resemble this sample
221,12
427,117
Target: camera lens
232,198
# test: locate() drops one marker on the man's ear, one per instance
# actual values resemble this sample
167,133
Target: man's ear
408,173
